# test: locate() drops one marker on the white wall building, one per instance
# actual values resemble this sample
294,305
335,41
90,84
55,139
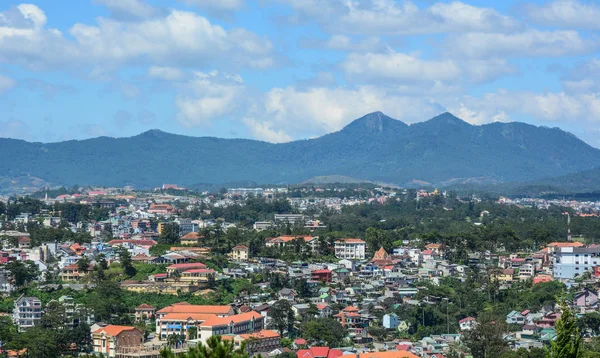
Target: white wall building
353,249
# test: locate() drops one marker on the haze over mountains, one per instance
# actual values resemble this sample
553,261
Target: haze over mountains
441,151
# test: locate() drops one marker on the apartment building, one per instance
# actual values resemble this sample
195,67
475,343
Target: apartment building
242,323
351,248
110,339
240,253
27,312
570,262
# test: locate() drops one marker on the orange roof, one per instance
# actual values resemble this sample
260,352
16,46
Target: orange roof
287,238
265,333
565,244
433,246
113,330
188,316
389,354
351,241
192,235
187,308
350,309
221,321
144,306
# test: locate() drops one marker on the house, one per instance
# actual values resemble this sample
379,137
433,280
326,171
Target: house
179,268
319,352
198,276
183,307
24,243
515,317
27,312
541,278
585,298
248,322
324,310
467,324
287,294
351,319
111,340
350,248
240,253
429,255
191,239
72,272
505,275
161,209
321,275
263,341
390,321
144,312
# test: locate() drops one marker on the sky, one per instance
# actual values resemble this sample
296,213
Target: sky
281,70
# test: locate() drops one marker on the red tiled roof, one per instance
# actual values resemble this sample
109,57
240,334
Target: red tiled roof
265,333
221,321
144,306
187,308
190,265
113,330
202,270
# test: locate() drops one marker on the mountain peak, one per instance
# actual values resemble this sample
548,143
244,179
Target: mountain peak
375,122
448,118
154,133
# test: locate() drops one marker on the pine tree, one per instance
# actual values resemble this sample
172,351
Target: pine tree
568,340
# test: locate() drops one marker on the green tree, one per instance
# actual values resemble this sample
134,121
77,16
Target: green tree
22,272
326,331
169,233
567,343
487,339
83,264
214,348
282,316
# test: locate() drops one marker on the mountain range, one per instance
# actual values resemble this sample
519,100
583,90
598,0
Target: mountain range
444,150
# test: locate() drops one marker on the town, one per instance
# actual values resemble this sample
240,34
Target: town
305,271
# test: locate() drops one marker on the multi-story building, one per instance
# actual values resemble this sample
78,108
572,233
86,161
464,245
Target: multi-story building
72,272
200,275
526,271
186,226
178,323
248,322
240,253
27,312
350,319
182,314
350,249
570,262
264,341
110,340
292,219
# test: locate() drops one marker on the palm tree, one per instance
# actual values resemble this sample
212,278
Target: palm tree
215,347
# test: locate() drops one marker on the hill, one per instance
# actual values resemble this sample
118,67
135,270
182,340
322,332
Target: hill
375,148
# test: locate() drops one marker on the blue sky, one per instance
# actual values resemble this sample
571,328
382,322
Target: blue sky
279,70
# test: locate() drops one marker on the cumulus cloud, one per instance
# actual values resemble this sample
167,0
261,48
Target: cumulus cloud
217,7
529,43
264,131
584,78
180,38
131,9
207,97
394,67
564,13
390,17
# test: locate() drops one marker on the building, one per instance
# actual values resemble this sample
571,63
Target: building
351,319
179,268
72,272
263,225
200,275
110,339
144,312
191,239
292,219
27,312
570,262
186,226
248,322
467,323
391,321
352,249
240,253
161,209
321,275
264,341
219,311
24,243
179,323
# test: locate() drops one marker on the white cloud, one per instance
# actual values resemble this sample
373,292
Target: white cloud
397,66
263,131
179,39
564,13
216,6
584,78
207,97
530,43
130,9
165,73
390,17
346,43
6,83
